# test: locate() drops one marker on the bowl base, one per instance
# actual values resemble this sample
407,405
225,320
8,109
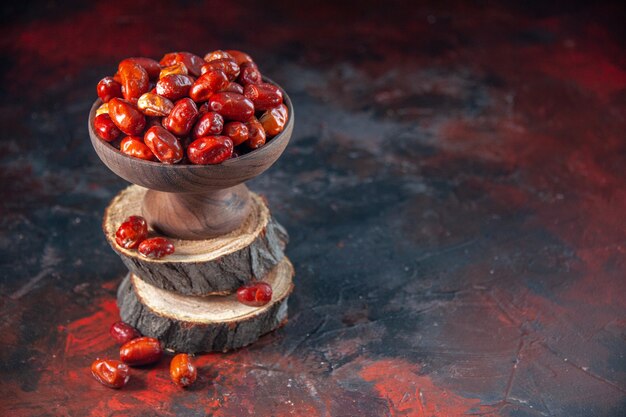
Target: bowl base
196,216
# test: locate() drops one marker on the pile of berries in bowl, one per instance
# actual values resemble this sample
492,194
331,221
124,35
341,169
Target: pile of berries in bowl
186,109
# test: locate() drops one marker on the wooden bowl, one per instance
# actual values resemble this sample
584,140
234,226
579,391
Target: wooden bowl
194,201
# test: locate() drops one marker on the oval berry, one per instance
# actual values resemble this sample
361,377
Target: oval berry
232,106
237,132
152,104
207,84
126,116
165,146
264,96
227,66
156,247
249,74
209,124
105,128
141,351
178,68
192,62
110,372
134,146
239,57
135,80
210,150
274,120
174,86
108,88
182,370
256,134
131,232
218,54
123,332
255,295
182,117
151,66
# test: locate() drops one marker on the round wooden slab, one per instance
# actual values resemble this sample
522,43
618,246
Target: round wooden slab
202,267
203,324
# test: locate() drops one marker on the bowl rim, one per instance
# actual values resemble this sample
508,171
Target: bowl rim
274,142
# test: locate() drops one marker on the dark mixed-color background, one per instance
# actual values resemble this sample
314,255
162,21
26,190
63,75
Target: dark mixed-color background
455,191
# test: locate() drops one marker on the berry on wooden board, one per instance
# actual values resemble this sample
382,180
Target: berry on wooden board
132,232
156,247
255,295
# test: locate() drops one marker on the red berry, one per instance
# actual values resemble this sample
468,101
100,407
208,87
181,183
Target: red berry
132,232
105,128
110,372
108,88
163,144
264,95
134,146
255,295
232,106
123,333
210,150
141,351
237,132
156,248
182,370
209,124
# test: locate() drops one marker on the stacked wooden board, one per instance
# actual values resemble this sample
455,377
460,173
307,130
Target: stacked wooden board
187,299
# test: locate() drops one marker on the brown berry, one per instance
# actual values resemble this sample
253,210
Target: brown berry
110,372
182,371
141,351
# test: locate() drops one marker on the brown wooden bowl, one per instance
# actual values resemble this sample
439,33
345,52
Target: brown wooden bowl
194,201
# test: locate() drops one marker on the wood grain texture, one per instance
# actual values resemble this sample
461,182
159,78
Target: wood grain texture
203,267
203,324
199,215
